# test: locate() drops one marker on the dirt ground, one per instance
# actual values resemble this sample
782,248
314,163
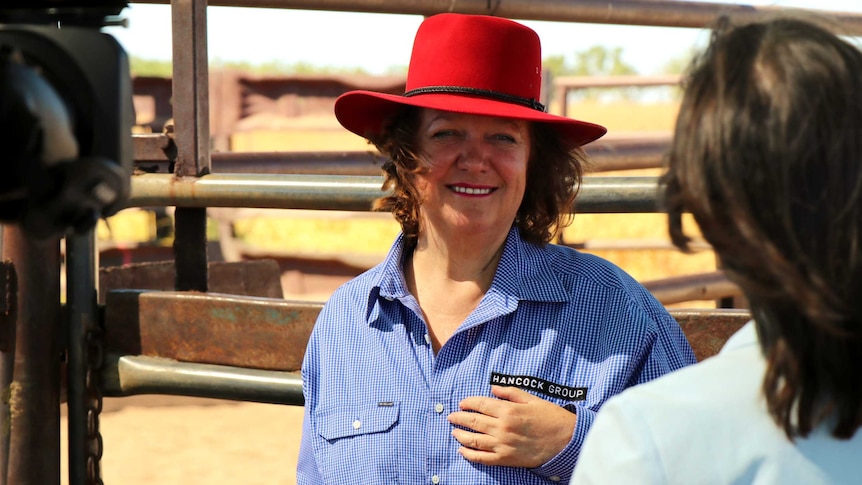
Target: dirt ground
168,440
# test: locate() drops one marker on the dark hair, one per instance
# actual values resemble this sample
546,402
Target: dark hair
554,174
767,156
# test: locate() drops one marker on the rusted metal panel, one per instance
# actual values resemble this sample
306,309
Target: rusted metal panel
209,328
708,329
259,278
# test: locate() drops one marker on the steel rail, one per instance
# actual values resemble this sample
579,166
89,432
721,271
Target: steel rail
349,193
153,154
657,13
128,375
704,286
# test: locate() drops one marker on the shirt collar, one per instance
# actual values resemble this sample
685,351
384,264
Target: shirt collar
524,273
389,280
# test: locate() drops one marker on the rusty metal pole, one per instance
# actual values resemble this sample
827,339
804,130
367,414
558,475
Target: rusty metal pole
34,393
8,317
659,13
192,135
82,318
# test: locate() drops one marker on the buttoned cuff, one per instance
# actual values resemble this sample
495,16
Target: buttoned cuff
559,468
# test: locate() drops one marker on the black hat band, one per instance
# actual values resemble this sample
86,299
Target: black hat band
529,103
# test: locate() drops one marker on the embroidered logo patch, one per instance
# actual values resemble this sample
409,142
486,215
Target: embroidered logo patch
547,388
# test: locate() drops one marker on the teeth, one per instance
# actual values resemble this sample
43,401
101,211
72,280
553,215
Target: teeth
471,191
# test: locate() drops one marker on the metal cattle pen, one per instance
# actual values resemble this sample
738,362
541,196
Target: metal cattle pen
82,350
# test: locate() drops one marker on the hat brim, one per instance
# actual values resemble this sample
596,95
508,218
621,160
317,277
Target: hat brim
366,113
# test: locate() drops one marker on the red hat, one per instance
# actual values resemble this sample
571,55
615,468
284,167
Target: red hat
474,64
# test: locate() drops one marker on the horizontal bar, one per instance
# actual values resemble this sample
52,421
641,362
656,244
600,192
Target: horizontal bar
349,193
584,82
251,277
210,328
129,375
153,154
660,13
705,286
604,195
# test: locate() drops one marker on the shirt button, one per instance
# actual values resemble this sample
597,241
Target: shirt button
554,478
427,339
438,407
357,424
435,479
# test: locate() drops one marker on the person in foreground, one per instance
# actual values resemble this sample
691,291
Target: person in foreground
767,156
476,352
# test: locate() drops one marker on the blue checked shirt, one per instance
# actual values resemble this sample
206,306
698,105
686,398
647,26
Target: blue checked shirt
567,326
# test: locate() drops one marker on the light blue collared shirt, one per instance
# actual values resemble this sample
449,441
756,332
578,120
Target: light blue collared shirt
570,327
708,425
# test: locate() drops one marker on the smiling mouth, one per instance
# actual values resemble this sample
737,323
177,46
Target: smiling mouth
471,190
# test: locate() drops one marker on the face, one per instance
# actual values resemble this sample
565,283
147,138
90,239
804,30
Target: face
477,172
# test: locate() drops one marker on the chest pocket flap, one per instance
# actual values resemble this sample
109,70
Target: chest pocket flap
333,424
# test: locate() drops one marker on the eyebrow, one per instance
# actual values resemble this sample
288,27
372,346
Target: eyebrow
511,122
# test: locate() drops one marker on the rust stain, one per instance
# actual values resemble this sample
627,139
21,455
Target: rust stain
10,397
708,330
251,332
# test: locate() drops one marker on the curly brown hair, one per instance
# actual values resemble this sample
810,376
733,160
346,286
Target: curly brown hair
554,174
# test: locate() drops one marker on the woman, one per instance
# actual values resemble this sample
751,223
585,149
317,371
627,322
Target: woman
767,156
475,352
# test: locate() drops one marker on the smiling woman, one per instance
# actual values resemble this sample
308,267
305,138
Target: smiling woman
481,177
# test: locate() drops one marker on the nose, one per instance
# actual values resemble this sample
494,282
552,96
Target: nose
474,157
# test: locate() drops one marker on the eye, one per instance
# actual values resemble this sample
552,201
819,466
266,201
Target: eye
504,137
443,134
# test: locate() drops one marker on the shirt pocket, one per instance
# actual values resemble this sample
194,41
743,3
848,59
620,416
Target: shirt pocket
358,442
335,424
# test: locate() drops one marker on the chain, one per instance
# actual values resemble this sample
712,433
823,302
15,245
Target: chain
93,396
